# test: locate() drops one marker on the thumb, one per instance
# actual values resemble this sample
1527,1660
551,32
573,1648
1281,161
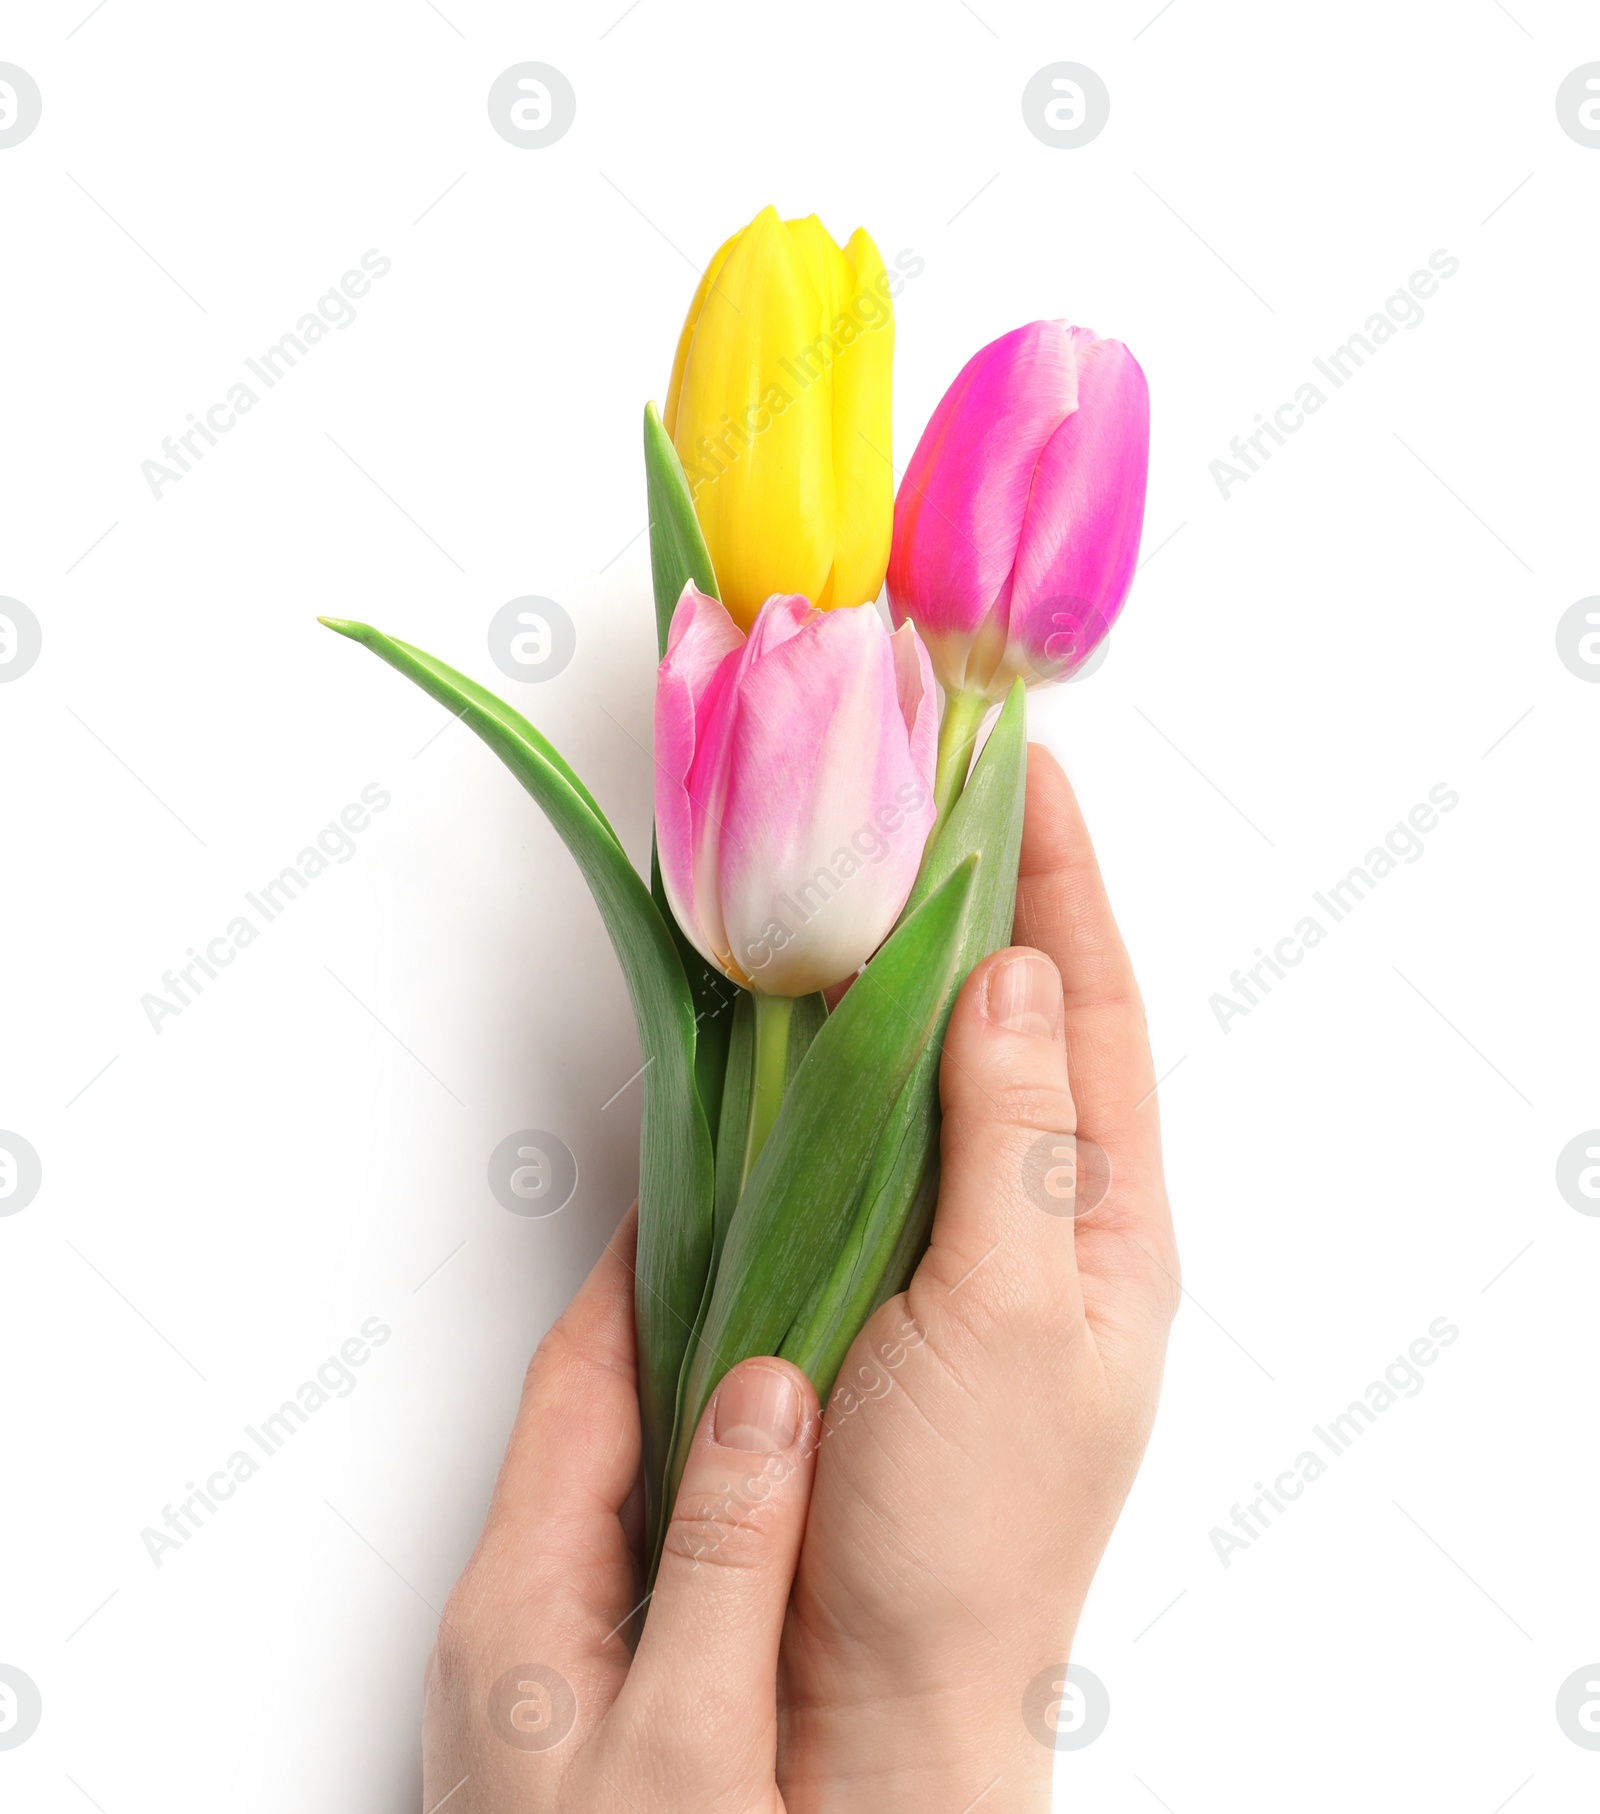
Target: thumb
1003,1236
705,1673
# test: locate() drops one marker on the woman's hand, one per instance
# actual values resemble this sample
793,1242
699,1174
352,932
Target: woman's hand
988,1422
979,1446
533,1703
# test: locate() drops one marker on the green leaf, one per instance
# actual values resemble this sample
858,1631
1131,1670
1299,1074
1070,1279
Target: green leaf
802,1196
678,551
714,997
675,1171
896,1208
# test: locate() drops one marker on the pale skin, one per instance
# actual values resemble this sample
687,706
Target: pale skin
850,1611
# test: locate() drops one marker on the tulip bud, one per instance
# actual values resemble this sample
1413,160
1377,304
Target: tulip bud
1016,529
779,410
794,786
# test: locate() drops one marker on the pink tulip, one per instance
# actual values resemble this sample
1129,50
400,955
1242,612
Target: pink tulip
794,786
1016,527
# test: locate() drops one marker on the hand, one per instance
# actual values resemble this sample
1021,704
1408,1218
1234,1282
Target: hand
532,1701
988,1422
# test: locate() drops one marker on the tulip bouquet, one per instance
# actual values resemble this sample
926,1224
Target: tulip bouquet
819,822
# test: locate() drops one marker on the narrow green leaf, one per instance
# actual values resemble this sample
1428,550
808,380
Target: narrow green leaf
678,551
802,1196
713,995
896,1208
676,1180
496,720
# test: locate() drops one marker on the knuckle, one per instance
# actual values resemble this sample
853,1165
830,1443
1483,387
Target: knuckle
1141,1254
556,1353
953,1351
1038,1105
561,1377
1025,1105
1107,988
728,1526
999,1311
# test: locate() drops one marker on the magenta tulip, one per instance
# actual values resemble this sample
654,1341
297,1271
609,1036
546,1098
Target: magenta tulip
1016,527
794,786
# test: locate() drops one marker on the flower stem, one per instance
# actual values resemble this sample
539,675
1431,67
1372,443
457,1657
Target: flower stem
958,732
769,1074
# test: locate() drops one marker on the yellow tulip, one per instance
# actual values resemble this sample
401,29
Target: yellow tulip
779,410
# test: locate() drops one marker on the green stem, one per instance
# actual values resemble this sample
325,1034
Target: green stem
769,1075
964,714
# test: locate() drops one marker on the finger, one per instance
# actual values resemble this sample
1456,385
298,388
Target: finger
1062,909
1003,1232
538,1607
572,1461
706,1667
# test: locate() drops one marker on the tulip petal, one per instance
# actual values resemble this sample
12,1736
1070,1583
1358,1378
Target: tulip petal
828,268
828,806
680,358
692,680
782,616
863,331
1080,542
762,478
913,678
962,502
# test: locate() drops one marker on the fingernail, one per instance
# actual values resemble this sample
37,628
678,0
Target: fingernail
1025,996
758,1409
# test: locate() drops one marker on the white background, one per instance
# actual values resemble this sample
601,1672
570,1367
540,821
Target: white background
1373,613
